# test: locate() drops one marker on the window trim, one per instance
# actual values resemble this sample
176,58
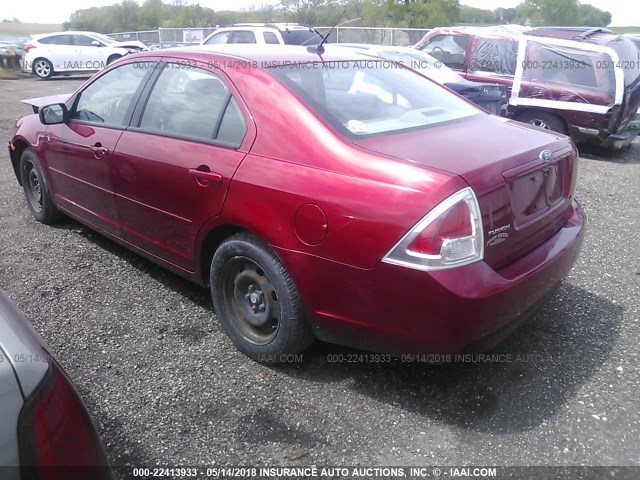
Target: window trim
141,105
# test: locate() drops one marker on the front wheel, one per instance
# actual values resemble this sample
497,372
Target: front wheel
43,68
256,300
36,190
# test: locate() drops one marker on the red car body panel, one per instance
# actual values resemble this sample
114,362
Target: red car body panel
330,207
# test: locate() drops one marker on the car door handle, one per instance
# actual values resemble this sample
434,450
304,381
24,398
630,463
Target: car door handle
98,150
205,178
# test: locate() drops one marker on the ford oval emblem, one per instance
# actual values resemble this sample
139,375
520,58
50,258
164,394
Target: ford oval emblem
545,156
485,91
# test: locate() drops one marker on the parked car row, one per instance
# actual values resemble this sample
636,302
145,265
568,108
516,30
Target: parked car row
576,81
74,52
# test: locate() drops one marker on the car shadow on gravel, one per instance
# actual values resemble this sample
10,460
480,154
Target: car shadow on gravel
525,382
198,295
539,369
628,156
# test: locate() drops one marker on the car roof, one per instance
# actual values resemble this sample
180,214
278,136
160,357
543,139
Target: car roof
277,26
266,53
598,36
68,32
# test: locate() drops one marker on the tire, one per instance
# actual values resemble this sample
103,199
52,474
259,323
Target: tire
256,300
544,120
113,58
36,190
42,68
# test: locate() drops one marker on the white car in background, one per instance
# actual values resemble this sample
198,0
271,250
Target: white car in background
73,52
265,33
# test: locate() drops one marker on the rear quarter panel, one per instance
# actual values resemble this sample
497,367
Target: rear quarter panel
297,158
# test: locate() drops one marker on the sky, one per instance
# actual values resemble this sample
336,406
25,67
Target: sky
47,11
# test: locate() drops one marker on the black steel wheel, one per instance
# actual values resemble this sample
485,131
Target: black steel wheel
256,300
35,189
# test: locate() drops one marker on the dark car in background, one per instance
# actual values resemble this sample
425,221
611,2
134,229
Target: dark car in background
44,426
490,96
577,81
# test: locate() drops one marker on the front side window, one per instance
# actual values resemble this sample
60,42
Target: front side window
219,38
193,103
107,100
449,49
494,55
368,98
83,41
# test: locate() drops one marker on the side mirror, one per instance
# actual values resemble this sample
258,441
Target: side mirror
53,114
96,43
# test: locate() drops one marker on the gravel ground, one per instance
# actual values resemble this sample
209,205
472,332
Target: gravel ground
165,385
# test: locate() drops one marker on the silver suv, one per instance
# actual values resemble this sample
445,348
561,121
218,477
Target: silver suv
265,33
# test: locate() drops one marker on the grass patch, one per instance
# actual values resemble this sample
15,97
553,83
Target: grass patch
26,29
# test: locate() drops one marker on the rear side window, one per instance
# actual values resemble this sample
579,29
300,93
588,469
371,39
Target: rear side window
57,40
568,68
107,100
195,104
243,36
270,38
449,49
494,55
629,55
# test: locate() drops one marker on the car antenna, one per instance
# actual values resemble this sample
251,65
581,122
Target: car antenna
319,49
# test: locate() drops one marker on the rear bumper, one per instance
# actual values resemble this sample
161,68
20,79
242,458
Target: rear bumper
399,310
623,139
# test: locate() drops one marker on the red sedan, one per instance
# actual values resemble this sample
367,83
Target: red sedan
329,196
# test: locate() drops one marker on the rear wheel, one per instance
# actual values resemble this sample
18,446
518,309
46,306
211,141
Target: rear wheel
256,300
43,68
544,120
36,191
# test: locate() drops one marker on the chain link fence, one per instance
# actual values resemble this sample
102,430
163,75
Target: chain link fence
173,37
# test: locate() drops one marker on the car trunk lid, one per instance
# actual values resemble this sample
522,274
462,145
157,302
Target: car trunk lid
523,198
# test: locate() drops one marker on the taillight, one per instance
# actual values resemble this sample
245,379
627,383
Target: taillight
28,47
449,236
55,432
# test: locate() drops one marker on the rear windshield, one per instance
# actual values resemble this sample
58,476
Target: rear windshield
629,59
301,37
370,97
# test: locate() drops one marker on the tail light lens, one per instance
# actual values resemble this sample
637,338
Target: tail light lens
55,432
28,47
449,236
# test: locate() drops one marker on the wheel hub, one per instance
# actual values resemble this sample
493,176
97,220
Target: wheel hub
255,299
